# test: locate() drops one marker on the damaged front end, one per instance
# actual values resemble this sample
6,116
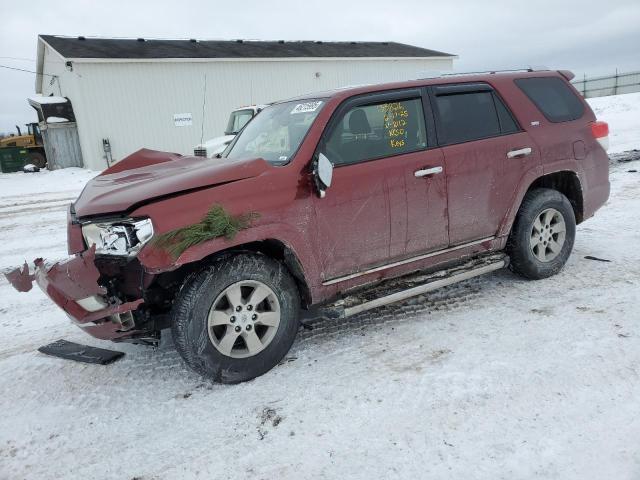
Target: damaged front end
102,288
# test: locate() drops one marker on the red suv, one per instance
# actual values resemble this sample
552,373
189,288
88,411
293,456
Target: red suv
328,205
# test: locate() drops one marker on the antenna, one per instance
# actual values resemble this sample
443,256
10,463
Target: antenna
204,104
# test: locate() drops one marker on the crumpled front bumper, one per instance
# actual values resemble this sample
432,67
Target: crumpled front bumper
73,286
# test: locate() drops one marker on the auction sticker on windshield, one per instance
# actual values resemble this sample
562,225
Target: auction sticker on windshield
306,107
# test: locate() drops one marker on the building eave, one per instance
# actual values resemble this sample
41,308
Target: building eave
39,65
253,59
40,73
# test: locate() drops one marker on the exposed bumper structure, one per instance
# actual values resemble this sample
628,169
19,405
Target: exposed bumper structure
73,286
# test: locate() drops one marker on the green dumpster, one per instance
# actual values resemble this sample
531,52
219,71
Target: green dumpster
12,159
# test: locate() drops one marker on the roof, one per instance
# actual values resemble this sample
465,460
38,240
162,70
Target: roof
111,48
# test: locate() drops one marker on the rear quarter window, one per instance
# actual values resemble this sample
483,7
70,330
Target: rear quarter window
553,97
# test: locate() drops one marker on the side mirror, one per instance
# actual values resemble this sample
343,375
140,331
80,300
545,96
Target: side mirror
323,174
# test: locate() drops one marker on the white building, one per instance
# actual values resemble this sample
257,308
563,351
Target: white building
171,94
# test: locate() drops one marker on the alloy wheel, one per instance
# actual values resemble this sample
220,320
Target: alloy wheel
243,319
548,234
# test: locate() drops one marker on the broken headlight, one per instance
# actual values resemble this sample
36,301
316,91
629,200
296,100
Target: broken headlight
121,237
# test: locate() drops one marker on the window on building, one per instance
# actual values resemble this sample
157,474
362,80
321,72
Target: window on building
378,130
553,97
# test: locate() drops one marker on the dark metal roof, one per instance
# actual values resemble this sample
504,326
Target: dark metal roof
81,47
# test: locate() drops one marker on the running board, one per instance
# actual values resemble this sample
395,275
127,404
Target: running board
427,287
402,287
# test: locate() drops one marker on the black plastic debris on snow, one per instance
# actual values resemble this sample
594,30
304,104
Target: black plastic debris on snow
80,353
625,157
590,257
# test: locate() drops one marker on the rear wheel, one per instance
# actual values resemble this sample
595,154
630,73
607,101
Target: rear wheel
543,233
236,319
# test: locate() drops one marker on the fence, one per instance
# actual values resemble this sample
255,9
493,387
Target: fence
608,85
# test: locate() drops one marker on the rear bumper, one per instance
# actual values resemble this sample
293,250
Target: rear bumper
73,286
596,182
597,197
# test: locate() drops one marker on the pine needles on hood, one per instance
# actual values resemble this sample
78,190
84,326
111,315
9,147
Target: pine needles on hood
216,223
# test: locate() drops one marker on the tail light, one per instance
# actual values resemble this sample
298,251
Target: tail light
600,131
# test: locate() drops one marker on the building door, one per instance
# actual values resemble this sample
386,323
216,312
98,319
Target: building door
62,145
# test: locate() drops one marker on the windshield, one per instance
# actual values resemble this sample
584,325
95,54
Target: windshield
237,120
276,133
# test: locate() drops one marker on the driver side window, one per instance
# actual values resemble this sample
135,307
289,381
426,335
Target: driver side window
367,132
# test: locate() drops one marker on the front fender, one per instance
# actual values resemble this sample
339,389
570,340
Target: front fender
156,260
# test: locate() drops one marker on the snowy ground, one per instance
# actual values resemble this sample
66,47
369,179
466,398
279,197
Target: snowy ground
493,378
622,113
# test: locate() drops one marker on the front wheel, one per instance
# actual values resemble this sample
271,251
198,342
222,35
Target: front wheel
236,319
543,233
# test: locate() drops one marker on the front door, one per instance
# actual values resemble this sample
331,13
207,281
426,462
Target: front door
485,155
378,209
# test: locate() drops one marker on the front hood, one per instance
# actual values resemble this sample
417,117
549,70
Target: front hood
148,174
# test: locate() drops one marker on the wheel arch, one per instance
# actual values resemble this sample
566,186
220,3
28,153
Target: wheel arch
280,251
568,183
271,247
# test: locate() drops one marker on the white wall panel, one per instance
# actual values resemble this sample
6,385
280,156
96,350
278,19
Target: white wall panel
133,103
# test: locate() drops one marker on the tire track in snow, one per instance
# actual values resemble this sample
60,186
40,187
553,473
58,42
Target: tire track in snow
41,208
16,204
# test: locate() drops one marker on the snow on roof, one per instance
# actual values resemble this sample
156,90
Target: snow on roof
41,100
57,119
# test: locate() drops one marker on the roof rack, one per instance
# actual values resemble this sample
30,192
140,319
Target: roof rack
491,72
528,69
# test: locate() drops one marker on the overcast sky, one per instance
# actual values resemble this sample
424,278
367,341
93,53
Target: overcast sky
587,36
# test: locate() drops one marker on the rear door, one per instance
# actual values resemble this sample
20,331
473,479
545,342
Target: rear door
486,154
377,209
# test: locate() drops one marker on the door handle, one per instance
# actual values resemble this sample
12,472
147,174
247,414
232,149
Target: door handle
427,171
519,153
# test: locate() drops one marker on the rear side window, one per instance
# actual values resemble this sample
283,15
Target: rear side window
470,115
466,116
378,130
553,97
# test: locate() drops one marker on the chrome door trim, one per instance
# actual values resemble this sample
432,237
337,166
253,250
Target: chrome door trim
404,262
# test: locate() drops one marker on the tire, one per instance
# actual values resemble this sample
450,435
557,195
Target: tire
537,250
207,298
37,159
